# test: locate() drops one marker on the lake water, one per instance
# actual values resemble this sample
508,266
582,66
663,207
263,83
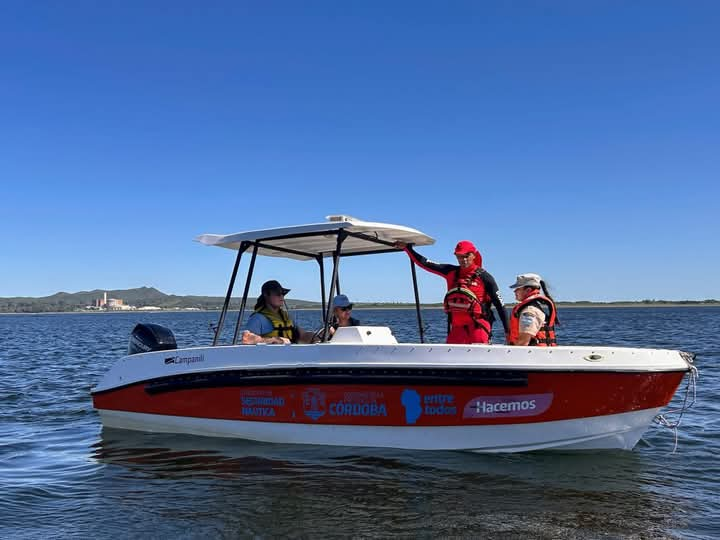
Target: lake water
63,476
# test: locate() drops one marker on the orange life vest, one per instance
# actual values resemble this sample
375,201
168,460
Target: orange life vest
464,301
546,335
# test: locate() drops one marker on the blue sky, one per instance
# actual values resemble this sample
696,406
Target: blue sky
578,140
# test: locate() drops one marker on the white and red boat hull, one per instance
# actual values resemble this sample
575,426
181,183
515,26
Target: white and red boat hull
442,397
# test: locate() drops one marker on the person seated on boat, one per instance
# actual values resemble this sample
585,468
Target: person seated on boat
270,321
342,309
472,291
533,319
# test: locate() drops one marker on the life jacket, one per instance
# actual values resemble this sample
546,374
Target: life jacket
466,299
282,324
546,335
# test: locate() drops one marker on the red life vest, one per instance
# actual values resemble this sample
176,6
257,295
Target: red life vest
546,335
465,299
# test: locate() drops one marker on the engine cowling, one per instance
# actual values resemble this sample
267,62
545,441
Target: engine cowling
147,337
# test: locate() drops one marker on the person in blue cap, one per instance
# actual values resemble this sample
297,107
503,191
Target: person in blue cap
342,313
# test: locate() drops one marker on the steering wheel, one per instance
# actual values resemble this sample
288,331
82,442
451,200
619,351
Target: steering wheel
318,335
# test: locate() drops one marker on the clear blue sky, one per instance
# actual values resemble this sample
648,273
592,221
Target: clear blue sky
579,140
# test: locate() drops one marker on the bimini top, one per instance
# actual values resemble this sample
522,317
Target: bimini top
305,242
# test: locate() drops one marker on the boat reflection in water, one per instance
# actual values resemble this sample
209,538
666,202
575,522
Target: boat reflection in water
272,490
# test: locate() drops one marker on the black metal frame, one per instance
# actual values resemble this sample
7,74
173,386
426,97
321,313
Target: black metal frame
337,254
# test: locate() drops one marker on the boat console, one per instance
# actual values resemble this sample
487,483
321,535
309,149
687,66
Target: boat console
366,335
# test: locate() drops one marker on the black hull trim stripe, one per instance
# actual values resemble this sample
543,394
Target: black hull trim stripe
378,376
312,376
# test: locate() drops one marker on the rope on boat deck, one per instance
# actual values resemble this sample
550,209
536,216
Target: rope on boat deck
690,394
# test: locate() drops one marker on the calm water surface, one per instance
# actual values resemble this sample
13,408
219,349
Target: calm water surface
63,476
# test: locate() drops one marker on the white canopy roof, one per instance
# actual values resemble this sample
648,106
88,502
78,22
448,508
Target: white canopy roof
308,241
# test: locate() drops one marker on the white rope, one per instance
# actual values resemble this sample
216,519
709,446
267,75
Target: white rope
691,393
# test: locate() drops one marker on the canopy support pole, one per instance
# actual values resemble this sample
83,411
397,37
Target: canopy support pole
342,234
321,263
221,322
245,294
421,327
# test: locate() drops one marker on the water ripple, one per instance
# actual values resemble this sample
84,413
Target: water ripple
62,476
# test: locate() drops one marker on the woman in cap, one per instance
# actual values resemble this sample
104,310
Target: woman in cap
533,319
342,313
471,292
270,321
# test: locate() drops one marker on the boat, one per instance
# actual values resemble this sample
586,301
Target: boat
364,388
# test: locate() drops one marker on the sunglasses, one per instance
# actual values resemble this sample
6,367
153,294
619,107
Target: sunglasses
346,308
464,257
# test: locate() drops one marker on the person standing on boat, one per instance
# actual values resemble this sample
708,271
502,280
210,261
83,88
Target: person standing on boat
472,291
533,319
342,313
270,321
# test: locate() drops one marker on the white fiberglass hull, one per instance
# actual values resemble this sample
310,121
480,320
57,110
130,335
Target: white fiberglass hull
428,397
611,432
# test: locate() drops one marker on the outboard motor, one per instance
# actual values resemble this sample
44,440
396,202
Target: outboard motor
147,337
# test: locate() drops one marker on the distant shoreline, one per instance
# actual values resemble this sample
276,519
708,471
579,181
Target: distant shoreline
560,305
637,304
141,298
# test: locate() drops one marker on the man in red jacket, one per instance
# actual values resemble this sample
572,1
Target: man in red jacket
471,292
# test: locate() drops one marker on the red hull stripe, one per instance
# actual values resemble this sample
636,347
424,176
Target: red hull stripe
547,397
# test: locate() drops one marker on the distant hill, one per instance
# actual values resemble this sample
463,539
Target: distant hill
140,297
150,296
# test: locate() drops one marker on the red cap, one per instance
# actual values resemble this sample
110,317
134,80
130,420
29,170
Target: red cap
464,247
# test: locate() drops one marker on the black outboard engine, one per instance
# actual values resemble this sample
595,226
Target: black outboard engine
148,337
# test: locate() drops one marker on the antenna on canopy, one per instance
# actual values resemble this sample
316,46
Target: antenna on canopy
341,217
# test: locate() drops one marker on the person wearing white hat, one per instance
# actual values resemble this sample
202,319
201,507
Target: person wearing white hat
533,319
